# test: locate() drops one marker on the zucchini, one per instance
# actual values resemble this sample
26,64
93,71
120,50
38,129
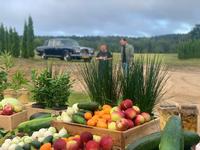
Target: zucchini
150,141
172,135
92,106
35,124
78,119
40,115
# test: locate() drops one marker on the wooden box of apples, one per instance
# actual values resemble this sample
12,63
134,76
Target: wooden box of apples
124,123
11,113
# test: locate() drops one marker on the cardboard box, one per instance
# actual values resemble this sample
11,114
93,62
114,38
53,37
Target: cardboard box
12,121
120,138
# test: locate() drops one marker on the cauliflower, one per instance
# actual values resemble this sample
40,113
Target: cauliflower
52,130
62,132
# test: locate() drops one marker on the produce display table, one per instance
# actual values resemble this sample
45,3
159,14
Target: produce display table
120,138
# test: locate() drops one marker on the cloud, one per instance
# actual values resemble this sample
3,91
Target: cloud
105,17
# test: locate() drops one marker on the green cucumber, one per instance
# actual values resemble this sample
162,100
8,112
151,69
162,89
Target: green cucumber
172,135
92,106
150,141
35,124
78,119
40,115
84,111
190,139
80,113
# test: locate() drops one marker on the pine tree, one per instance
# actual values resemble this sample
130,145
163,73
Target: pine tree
6,39
10,40
2,44
24,42
30,37
16,44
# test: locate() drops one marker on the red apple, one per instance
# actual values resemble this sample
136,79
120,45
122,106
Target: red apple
146,116
59,144
126,104
86,136
130,123
117,115
72,145
106,143
137,109
1,112
139,120
92,145
122,124
79,142
130,113
8,110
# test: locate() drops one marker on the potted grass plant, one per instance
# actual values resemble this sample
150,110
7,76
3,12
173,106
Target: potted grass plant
51,89
145,81
103,86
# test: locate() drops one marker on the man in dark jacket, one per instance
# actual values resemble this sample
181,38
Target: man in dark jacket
127,52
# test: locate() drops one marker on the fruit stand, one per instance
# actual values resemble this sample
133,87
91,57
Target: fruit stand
120,138
117,116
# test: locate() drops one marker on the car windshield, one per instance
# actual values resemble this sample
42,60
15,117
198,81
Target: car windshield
62,43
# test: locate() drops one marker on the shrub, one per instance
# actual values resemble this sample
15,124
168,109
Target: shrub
50,89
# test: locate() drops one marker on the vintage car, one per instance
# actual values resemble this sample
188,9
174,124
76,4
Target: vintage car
65,49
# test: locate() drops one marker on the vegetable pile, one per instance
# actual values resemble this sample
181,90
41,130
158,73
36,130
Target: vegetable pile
48,138
121,118
9,106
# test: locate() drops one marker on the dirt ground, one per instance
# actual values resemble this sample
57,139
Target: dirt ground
183,86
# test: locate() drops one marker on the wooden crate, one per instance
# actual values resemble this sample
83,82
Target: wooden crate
31,110
120,139
189,117
12,121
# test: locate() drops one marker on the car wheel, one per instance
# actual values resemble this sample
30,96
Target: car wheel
44,56
67,57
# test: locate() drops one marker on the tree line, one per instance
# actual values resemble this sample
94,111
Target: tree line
18,46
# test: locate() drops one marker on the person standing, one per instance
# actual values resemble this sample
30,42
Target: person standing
127,53
105,60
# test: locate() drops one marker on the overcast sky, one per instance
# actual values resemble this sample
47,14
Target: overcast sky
102,17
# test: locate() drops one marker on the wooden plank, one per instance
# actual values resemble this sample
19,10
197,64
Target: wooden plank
11,122
120,138
141,131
